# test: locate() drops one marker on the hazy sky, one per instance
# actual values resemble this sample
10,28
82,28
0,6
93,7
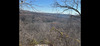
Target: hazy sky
46,6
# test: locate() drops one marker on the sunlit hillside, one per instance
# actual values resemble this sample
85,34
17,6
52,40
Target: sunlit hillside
49,28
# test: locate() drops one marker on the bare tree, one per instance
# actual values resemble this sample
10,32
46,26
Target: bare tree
69,4
27,4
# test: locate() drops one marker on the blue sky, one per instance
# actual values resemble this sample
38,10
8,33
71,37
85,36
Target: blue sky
46,6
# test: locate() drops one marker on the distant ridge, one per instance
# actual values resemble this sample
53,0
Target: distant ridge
26,12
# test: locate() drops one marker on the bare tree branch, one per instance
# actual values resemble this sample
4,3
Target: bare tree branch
24,3
75,3
65,10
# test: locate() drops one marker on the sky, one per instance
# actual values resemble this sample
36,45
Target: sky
46,7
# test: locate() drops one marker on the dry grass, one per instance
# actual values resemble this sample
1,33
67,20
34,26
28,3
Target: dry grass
42,30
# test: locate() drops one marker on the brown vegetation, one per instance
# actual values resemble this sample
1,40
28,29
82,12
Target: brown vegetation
37,28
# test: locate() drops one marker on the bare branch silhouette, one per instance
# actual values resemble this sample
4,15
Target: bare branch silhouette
74,5
30,4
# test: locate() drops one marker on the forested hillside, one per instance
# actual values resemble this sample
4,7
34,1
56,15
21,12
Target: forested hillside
54,29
